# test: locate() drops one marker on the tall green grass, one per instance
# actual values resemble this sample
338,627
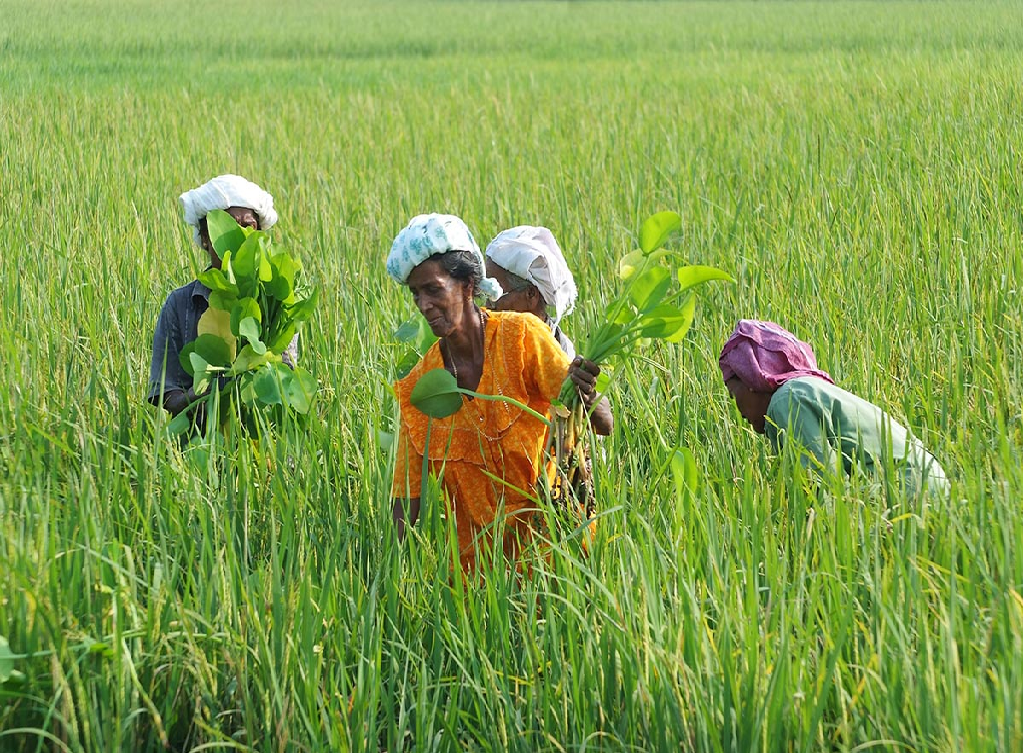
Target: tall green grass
855,165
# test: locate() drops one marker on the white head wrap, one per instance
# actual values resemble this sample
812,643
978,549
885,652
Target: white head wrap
428,235
227,191
532,253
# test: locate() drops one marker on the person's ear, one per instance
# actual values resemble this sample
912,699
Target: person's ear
204,235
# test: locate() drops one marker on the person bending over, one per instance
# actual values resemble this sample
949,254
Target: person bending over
778,388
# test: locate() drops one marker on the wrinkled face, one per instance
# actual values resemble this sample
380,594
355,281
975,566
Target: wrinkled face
527,300
242,215
441,299
751,404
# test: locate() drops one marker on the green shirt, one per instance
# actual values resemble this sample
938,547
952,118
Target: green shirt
825,419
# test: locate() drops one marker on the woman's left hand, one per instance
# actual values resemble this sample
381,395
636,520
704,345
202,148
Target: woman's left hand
583,373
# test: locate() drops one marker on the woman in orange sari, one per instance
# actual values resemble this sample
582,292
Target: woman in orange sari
489,454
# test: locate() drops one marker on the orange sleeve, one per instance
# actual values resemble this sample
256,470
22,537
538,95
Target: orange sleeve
408,469
546,365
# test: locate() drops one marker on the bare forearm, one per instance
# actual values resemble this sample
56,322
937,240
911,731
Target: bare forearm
405,513
601,418
176,401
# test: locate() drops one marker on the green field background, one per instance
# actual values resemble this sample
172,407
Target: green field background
854,165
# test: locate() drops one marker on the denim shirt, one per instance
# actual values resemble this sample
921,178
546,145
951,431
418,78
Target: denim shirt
177,326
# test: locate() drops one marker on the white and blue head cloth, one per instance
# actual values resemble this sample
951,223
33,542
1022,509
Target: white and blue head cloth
532,253
227,191
428,235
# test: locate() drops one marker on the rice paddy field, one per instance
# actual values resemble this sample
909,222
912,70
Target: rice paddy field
855,166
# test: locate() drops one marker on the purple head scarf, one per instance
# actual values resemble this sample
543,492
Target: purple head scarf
765,356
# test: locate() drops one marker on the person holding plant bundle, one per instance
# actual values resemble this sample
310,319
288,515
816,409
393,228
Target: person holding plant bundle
170,385
488,454
528,264
779,390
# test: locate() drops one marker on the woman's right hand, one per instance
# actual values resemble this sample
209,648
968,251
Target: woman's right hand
583,374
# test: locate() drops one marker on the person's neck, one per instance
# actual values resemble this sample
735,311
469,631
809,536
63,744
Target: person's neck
467,342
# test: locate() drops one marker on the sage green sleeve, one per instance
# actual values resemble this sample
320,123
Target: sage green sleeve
794,417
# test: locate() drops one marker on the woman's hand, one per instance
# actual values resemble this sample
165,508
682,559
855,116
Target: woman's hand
583,374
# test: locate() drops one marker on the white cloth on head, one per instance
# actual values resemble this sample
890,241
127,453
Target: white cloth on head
428,235
531,252
227,191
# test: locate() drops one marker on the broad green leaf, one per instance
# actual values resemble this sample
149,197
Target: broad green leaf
302,310
245,307
225,266
279,344
299,388
223,300
689,312
225,233
284,268
649,288
183,357
617,313
628,264
406,363
279,288
666,322
632,262
656,229
249,359
266,386
683,468
179,424
200,373
436,394
694,274
215,280
212,349
603,379
245,261
218,322
408,331
248,328
287,265
199,364
266,272
248,394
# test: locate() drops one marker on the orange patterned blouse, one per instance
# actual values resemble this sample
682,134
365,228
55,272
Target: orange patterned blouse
496,449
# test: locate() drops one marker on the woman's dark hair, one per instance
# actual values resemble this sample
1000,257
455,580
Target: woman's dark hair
464,266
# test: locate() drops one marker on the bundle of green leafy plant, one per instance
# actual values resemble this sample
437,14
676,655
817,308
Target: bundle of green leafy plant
646,310
259,302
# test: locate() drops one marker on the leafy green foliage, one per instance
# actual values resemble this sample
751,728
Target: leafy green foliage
645,310
257,302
